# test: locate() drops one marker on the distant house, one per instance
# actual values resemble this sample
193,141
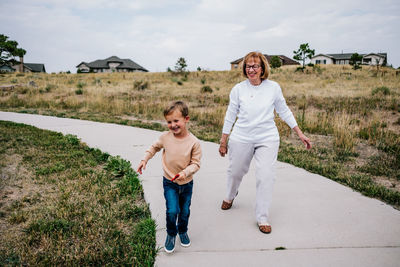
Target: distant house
284,60
6,68
28,67
111,64
344,59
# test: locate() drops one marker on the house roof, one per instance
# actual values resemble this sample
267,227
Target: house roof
103,64
285,60
35,67
348,55
6,68
377,54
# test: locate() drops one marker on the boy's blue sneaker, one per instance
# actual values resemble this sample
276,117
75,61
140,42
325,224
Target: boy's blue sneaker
185,241
169,244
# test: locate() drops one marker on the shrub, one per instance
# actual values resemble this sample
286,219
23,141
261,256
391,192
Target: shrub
79,91
381,90
206,89
80,85
203,80
317,69
275,62
140,85
50,87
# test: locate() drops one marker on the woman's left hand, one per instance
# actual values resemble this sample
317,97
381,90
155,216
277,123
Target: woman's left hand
306,141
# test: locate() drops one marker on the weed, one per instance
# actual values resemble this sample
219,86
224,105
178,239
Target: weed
117,166
206,89
17,217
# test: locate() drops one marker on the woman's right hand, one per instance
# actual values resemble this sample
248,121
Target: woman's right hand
223,149
223,145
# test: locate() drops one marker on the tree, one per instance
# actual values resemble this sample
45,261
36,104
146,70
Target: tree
303,52
355,61
275,62
180,65
9,50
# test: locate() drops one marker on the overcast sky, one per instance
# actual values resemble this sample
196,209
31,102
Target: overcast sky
207,33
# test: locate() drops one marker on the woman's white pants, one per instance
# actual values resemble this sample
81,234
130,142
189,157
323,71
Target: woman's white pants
265,155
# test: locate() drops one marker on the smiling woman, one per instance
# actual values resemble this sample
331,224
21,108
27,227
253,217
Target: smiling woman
251,114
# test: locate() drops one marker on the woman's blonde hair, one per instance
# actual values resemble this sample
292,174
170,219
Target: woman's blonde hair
263,62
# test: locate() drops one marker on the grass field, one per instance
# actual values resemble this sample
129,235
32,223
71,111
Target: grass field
351,116
63,203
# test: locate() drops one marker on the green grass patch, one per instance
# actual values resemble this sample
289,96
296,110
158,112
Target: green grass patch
80,206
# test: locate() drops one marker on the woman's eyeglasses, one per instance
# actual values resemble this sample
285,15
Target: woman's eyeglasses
254,67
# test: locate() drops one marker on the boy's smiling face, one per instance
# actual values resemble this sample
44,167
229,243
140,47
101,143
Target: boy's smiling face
177,123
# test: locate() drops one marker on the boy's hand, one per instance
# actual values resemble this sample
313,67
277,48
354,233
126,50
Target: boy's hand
142,165
181,176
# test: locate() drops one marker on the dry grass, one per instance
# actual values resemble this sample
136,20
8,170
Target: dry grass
351,108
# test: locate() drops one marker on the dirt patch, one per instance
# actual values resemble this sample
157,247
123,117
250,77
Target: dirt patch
319,141
16,181
364,153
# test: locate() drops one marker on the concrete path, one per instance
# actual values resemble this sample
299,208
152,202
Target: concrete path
318,221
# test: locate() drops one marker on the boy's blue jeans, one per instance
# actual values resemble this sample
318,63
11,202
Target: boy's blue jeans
177,199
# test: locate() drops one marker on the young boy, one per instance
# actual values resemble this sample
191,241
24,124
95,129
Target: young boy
180,160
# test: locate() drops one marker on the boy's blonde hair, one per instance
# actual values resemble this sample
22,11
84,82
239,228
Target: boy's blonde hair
177,105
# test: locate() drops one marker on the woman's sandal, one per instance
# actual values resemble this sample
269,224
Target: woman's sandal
226,205
265,229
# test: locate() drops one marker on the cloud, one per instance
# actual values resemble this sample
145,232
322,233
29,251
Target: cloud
210,34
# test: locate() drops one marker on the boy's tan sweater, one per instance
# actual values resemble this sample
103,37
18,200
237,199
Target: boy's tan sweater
178,155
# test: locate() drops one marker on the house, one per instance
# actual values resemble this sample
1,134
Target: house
32,67
344,59
27,67
284,60
111,64
6,68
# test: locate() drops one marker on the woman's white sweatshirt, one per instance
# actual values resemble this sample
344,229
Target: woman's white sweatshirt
253,106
